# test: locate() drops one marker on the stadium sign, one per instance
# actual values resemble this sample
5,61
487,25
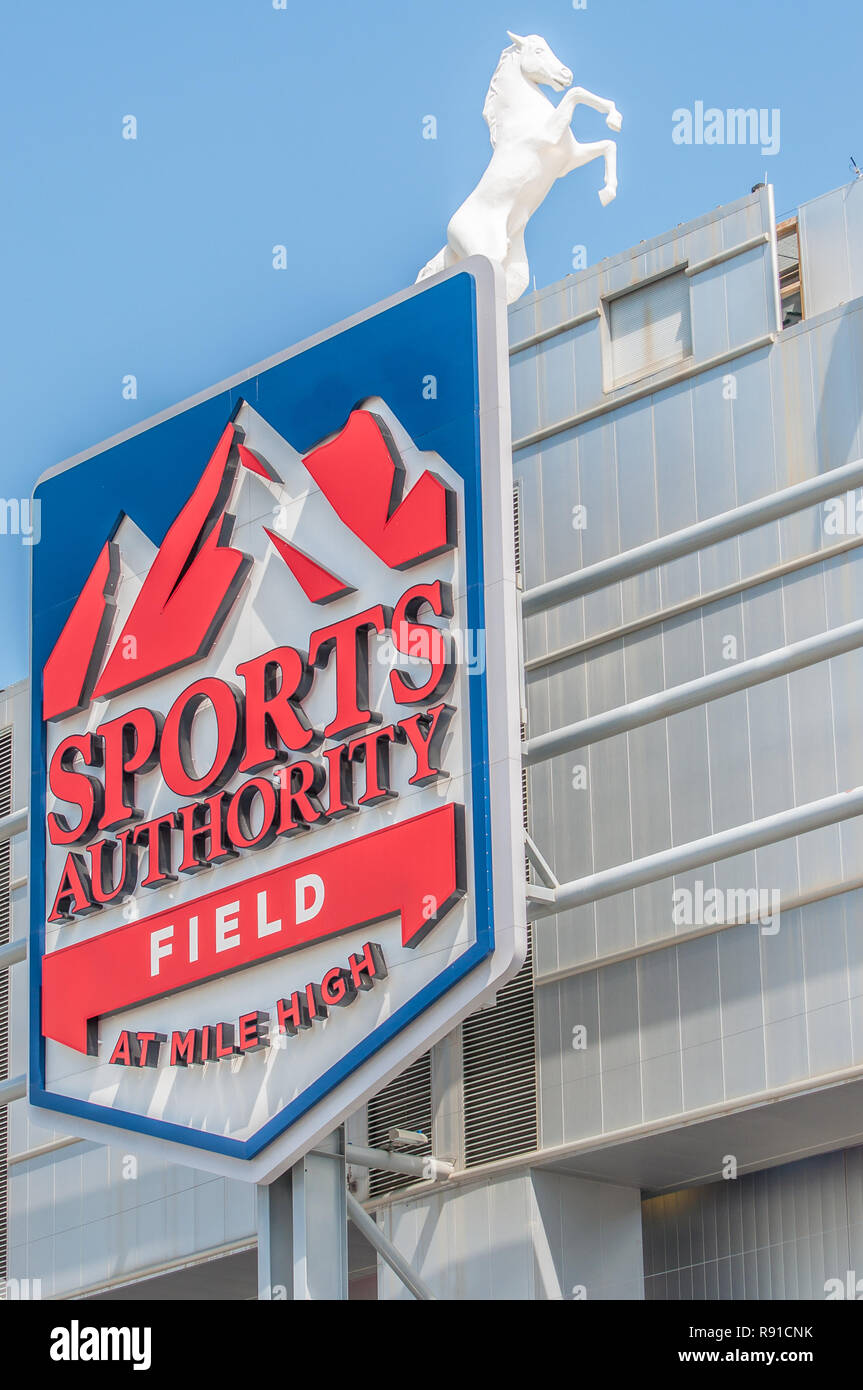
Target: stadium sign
276,848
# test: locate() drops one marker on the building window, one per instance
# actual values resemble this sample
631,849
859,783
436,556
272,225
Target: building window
790,279
650,329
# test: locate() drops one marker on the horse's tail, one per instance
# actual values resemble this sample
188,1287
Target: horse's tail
432,267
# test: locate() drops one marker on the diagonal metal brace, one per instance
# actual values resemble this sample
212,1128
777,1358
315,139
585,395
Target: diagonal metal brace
387,1251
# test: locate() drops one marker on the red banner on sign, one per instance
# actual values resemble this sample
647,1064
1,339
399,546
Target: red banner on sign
413,869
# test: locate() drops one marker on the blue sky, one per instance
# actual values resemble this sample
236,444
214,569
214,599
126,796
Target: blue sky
303,127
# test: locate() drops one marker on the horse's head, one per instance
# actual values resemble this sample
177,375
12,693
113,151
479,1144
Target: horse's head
539,64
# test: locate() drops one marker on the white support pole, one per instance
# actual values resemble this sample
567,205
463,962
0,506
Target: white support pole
302,1228
423,1167
12,953
691,538
387,1251
820,647
12,825
692,855
540,863
13,1089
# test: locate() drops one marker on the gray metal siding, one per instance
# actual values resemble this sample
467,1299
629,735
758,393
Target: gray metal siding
779,1234
710,1021
520,1235
87,1216
752,747
831,234
702,1022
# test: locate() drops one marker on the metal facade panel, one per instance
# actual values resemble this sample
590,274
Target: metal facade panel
836,390
676,493
659,1014
533,571
524,377
714,476
732,443
748,295
636,491
562,535
600,1242
453,1238
557,378
721,439
780,1234
729,1015
754,459
853,206
824,250
709,312
526,1235
601,536
87,1225
587,347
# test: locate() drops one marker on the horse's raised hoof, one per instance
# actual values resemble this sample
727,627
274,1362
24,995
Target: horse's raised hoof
614,120
606,195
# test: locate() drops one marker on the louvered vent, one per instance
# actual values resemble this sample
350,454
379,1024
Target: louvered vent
650,328
406,1103
499,1044
524,799
5,923
499,1063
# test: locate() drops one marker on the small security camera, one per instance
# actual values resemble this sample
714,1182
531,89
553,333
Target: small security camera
406,1138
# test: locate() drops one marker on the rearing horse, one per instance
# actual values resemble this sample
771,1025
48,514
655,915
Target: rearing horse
533,145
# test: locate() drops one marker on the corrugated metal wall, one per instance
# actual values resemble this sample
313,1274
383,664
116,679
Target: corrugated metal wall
834,220
739,1012
728,1015
784,1233
519,1235
85,1216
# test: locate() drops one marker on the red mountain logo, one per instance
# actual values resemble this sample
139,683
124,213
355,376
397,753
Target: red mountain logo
196,576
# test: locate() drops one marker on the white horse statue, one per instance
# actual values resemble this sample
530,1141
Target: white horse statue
533,145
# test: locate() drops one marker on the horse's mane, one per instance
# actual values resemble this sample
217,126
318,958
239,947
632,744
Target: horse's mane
489,110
